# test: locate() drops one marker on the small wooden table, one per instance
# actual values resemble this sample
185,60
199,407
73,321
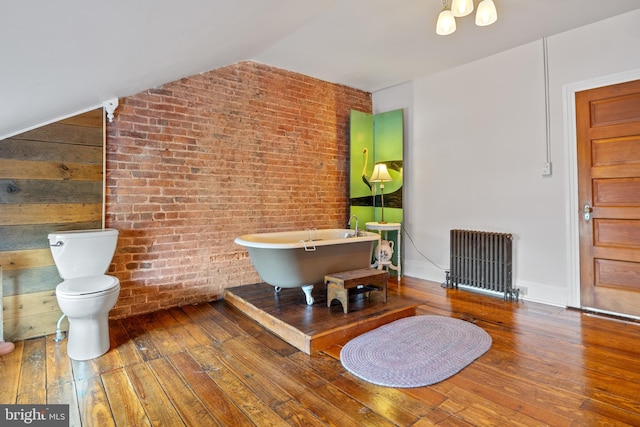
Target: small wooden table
362,280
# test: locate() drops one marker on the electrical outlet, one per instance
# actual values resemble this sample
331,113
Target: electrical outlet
523,290
546,169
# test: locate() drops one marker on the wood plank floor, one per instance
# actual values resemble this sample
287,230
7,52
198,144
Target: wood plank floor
208,364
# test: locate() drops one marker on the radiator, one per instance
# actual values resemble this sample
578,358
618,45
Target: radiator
483,260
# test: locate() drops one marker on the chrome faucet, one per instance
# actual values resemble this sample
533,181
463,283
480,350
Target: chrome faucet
349,224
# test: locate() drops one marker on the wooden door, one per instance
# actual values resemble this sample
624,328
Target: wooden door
608,137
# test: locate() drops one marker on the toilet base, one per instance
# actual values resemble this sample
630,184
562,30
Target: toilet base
88,338
88,316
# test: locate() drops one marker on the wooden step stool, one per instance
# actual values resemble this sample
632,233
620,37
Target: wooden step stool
362,280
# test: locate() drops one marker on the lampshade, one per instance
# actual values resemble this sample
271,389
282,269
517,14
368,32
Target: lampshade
486,14
446,23
380,173
461,8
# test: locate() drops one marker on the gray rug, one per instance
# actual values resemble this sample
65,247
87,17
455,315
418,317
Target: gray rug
415,351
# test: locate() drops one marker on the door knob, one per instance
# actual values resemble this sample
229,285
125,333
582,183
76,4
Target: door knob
587,212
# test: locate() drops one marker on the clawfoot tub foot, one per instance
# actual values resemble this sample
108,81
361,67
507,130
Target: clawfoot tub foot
277,289
307,293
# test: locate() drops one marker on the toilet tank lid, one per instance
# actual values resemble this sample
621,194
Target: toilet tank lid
87,285
83,234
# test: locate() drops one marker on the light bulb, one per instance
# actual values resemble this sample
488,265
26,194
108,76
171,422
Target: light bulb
486,14
461,8
446,23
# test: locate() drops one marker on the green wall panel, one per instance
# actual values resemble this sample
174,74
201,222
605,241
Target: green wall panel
374,139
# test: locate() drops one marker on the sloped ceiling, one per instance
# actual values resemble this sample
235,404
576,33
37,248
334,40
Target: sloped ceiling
67,56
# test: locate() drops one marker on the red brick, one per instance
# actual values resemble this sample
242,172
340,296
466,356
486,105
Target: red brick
194,163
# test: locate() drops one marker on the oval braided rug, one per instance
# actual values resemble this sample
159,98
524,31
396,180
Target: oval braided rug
414,351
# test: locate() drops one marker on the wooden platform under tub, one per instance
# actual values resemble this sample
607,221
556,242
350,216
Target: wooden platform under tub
314,328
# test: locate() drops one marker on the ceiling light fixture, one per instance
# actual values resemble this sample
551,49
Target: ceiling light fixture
446,21
461,8
485,15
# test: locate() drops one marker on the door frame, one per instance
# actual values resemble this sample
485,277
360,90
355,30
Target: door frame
572,204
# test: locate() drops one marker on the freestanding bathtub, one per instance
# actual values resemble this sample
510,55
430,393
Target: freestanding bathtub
300,259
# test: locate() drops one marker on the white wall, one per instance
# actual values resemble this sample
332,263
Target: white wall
476,144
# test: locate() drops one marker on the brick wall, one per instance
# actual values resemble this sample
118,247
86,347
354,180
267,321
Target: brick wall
193,164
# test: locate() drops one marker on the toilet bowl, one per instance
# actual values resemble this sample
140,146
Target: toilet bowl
86,302
86,295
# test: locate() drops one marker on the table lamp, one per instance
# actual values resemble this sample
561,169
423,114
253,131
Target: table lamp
381,175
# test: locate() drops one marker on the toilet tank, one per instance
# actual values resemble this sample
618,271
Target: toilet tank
83,253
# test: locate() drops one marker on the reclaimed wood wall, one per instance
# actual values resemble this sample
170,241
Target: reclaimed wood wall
51,179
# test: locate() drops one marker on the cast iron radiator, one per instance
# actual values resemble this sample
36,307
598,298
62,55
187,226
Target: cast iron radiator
481,259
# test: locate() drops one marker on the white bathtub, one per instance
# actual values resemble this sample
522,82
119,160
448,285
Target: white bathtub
300,259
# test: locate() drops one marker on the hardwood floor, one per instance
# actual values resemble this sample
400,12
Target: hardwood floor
208,364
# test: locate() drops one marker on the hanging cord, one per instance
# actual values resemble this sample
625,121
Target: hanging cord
445,269
545,53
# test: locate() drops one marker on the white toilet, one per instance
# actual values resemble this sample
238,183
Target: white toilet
86,295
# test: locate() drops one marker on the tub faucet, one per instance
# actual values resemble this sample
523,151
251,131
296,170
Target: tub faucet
349,224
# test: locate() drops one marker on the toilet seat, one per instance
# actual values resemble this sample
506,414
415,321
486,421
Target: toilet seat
86,286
